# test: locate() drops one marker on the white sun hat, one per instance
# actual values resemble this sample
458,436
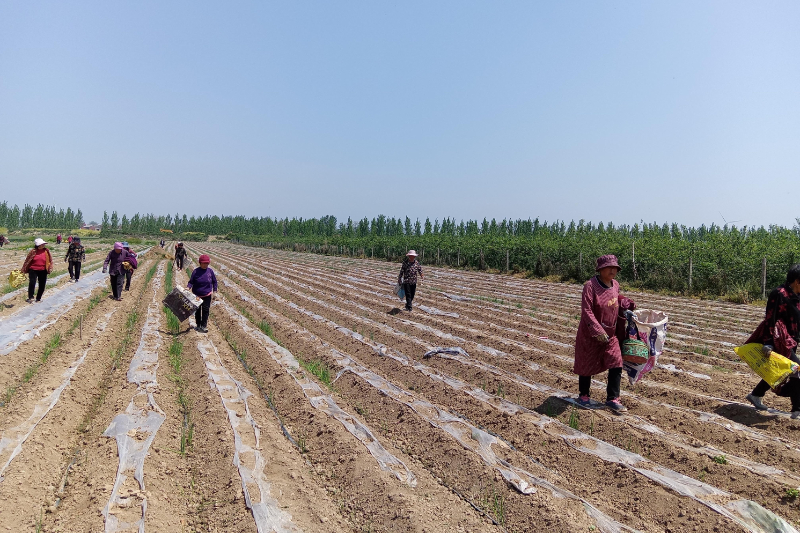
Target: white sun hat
412,252
39,242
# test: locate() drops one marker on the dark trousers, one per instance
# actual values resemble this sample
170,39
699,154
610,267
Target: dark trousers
411,290
201,315
116,284
790,389
74,269
179,263
612,389
128,274
33,277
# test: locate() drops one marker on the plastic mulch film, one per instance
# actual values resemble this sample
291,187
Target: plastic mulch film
434,311
700,415
135,429
325,402
31,320
12,440
266,510
469,436
56,279
665,477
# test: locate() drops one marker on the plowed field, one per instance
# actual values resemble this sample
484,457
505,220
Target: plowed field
311,405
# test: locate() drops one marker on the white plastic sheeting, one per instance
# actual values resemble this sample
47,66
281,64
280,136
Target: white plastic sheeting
325,402
12,440
135,429
32,319
466,434
247,458
698,491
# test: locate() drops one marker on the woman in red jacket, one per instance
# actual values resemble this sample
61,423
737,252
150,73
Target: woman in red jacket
37,265
597,347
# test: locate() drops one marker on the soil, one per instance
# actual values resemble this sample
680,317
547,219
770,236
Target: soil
292,333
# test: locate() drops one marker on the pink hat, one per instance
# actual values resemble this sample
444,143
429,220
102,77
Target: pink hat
118,246
412,252
204,259
604,261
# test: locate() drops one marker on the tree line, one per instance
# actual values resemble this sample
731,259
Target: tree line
41,216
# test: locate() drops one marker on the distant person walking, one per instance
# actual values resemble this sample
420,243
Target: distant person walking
2,240
129,269
69,239
409,271
162,243
58,239
113,265
780,332
203,283
76,255
597,347
38,264
180,255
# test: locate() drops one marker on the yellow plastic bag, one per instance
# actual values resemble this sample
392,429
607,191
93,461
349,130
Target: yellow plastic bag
127,266
16,278
774,369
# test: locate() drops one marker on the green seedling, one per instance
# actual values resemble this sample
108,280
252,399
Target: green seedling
721,460
574,418
792,493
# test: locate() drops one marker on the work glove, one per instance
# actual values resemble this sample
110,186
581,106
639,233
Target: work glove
601,338
767,349
629,314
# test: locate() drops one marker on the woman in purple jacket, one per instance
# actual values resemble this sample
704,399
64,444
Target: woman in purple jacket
203,284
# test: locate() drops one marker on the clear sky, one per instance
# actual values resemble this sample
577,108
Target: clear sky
662,111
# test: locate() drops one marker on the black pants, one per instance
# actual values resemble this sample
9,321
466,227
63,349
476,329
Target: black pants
128,274
179,262
116,284
790,389
612,389
411,290
201,315
74,269
33,277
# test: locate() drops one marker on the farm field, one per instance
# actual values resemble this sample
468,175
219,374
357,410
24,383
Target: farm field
315,404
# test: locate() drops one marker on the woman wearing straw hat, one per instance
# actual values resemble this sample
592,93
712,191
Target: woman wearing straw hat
597,347
38,264
408,276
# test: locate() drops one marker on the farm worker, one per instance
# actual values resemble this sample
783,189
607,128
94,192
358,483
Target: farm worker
2,240
162,243
408,276
780,332
203,283
113,265
128,269
597,347
69,239
75,256
58,239
180,255
38,264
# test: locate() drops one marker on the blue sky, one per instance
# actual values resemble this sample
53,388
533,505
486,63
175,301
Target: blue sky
621,111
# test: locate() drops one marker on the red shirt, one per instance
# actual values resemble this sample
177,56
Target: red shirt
39,261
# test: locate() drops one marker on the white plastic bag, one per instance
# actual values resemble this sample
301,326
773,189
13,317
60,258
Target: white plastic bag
654,325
